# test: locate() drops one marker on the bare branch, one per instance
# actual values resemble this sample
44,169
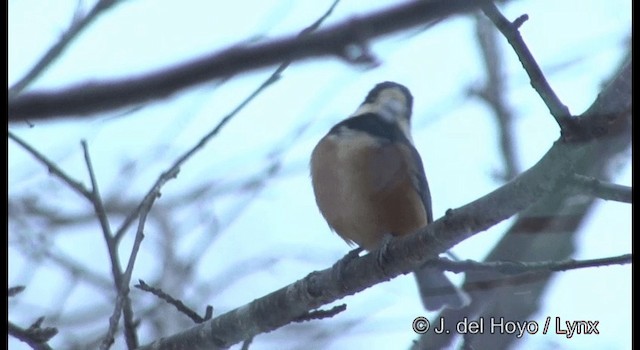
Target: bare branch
78,269
246,344
178,304
333,41
35,336
123,302
492,92
605,190
52,167
171,173
13,291
519,267
546,231
123,306
112,247
96,199
401,255
510,31
315,25
320,314
611,104
175,168
77,26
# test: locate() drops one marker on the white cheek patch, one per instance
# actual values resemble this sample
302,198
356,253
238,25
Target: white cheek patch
364,109
391,110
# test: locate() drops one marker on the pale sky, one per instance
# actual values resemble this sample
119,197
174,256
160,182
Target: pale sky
578,43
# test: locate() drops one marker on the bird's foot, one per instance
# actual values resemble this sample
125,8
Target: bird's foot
383,251
341,265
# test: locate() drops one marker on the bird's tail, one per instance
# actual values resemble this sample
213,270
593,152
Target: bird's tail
437,291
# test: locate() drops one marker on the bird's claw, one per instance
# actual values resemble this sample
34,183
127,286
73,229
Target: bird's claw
344,261
382,251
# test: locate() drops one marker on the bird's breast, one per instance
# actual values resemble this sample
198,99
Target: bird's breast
364,188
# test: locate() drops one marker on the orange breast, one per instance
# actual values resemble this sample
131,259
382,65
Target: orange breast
365,189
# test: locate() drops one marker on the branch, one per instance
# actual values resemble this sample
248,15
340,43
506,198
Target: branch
13,291
77,26
98,205
546,231
519,267
146,204
93,196
337,40
123,302
492,92
611,104
52,167
175,168
510,31
178,304
122,280
112,247
246,344
400,256
321,314
35,336
605,190
78,269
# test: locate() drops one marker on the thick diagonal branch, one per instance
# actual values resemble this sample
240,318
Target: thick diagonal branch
404,254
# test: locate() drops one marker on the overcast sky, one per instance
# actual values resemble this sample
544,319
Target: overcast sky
578,44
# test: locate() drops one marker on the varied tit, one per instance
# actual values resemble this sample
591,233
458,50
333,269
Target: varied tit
369,182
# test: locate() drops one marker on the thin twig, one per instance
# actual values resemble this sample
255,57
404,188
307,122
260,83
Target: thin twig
13,291
492,92
404,254
112,247
92,196
96,199
175,167
77,26
78,269
52,167
171,173
517,267
178,304
510,31
519,297
315,25
123,302
320,314
35,336
602,189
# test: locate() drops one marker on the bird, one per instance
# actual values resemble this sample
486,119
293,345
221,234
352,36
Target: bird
369,183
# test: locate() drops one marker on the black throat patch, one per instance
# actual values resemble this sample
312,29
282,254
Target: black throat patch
373,125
